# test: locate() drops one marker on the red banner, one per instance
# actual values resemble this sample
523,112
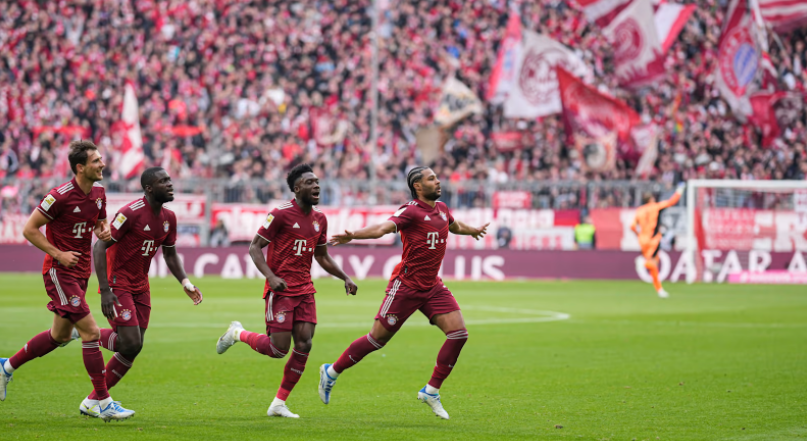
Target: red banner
507,141
512,199
587,110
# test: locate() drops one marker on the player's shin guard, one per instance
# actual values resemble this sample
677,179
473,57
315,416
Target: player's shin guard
261,344
116,368
42,344
652,268
356,351
94,362
292,373
109,339
448,355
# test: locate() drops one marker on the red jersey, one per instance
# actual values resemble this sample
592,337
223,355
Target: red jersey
293,236
138,234
72,215
424,233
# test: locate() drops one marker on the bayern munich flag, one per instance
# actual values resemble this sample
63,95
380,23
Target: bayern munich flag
130,156
738,58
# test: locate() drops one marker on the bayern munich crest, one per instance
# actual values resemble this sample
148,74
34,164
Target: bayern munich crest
443,215
165,226
280,317
738,58
75,301
126,315
99,203
392,319
316,226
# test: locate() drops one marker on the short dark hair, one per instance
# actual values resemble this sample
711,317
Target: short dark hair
415,175
295,174
149,176
647,197
78,153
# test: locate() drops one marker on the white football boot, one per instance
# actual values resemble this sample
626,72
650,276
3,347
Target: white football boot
434,402
228,339
278,408
5,377
114,412
663,294
90,408
325,383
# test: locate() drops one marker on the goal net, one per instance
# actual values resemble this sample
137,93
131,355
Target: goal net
735,226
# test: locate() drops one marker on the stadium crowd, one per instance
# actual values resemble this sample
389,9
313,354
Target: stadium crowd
247,89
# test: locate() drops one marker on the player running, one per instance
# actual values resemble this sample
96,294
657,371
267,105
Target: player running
424,224
646,225
122,267
298,233
72,212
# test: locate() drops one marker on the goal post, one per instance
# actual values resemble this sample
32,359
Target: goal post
742,217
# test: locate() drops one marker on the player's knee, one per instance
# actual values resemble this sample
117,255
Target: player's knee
92,334
303,346
130,347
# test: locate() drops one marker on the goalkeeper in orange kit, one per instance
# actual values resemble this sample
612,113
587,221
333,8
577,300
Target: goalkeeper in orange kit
646,226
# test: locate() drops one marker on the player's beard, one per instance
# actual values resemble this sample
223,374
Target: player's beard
432,196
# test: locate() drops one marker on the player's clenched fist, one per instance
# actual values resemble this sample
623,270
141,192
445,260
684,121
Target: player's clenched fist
68,258
103,233
277,284
108,302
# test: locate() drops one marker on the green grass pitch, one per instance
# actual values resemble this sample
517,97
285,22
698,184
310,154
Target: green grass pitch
545,360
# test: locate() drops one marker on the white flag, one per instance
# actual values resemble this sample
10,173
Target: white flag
637,50
457,102
131,158
536,92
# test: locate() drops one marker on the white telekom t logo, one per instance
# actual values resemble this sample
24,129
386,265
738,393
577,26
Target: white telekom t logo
431,239
148,246
299,247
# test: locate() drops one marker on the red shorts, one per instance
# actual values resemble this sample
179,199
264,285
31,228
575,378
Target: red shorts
283,311
66,295
402,301
135,309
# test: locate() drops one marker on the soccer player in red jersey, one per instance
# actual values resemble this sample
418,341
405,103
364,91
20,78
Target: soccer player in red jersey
297,232
72,212
424,224
122,267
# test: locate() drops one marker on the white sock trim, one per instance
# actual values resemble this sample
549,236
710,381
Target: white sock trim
432,390
332,372
277,402
237,334
8,367
105,402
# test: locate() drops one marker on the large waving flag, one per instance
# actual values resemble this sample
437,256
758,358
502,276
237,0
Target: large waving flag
131,150
504,71
602,12
670,19
637,51
783,15
738,58
535,90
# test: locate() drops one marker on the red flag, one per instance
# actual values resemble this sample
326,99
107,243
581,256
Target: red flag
586,109
764,115
638,55
504,71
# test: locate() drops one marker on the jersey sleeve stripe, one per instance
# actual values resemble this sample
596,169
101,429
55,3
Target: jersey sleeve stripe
65,188
322,244
43,212
169,246
262,237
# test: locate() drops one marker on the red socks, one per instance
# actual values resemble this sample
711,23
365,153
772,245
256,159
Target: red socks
42,344
94,362
262,344
109,339
117,367
356,351
292,373
447,358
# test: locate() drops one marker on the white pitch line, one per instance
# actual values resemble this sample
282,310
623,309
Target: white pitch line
537,317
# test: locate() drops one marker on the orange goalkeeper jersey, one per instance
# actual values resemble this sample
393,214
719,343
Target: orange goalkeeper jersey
647,217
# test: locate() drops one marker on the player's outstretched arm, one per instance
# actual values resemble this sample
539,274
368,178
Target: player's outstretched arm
108,298
464,229
256,253
175,265
328,264
369,232
33,235
679,191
